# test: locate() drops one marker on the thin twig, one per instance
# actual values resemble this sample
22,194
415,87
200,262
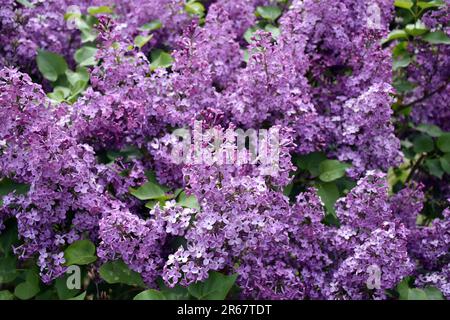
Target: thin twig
424,97
415,167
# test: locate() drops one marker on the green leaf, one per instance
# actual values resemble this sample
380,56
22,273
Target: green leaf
176,293
405,4
403,289
29,288
402,85
328,193
395,34
118,272
430,4
288,189
430,129
160,59
445,162
7,186
152,203
150,294
400,49
195,8
8,271
311,162
331,170
151,176
26,3
76,18
434,167
50,64
85,23
433,293
423,143
248,35
90,21
78,80
99,10
80,252
401,61
177,192
81,296
437,37
126,153
269,13
148,191
141,41
76,91
417,294
443,142
59,94
151,26
407,293
188,201
62,290
65,92
216,287
245,55
416,29
275,31
8,237
6,295
85,56
88,35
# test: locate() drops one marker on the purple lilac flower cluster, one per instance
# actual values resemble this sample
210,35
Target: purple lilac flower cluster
325,82
246,227
39,150
431,75
41,25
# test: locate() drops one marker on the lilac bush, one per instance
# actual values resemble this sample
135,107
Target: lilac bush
354,207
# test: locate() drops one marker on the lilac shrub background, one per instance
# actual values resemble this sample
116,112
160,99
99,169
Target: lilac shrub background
326,80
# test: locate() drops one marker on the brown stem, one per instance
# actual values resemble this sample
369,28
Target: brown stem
424,97
415,167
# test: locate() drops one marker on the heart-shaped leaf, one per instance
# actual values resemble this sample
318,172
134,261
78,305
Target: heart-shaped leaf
50,64
151,26
118,272
80,253
216,287
443,142
85,56
150,294
331,170
148,191
29,288
270,13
